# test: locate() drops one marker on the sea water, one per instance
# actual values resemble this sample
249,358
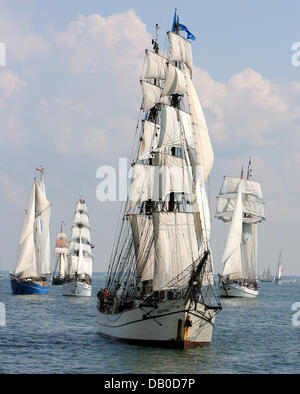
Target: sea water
56,334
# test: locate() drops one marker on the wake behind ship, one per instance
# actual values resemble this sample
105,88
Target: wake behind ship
160,288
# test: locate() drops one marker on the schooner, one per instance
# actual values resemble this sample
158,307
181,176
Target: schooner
240,202
33,268
78,280
160,288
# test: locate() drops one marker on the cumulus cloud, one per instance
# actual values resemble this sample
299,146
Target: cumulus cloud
247,108
21,43
96,44
10,83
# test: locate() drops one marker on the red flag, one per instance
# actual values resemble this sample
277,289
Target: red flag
37,169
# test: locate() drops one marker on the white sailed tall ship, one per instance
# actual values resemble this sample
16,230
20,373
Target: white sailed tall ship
266,276
279,270
240,202
33,268
61,254
78,280
160,288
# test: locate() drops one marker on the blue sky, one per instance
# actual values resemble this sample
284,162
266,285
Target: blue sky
69,99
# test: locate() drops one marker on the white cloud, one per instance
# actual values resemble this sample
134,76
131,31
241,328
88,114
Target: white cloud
96,44
248,108
21,44
10,83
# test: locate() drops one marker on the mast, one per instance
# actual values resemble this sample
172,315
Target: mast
166,225
253,213
80,253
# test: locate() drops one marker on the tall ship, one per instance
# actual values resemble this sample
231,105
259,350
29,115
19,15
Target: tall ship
32,274
266,276
160,288
240,202
78,279
61,254
279,270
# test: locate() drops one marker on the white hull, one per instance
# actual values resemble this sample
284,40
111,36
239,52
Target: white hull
78,289
236,290
164,326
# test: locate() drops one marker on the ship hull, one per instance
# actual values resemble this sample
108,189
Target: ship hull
236,290
77,289
23,286
278,281
165,326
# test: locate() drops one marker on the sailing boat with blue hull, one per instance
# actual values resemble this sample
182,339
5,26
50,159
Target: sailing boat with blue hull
33,269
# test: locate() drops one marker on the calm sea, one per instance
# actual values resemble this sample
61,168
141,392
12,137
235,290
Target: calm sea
56,334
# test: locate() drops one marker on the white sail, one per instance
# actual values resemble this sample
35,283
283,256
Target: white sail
181,50
203,148
232,253
227,205
231,184
249,251
155,183
152,95
175,81
27,260
142,229
149,141
43,211
175,125
80,253
175,246
156,66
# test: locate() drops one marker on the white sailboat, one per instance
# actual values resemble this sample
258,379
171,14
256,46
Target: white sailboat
279,270
78,280
61,253
160,288
239,276
266,276
33,269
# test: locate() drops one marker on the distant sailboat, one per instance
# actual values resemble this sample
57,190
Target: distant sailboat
280,270
266,276
33,268
80,264
1,276
239,276
61,253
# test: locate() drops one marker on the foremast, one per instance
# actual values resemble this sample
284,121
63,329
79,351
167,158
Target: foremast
165,229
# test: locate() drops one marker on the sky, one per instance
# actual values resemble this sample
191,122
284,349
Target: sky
70,99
